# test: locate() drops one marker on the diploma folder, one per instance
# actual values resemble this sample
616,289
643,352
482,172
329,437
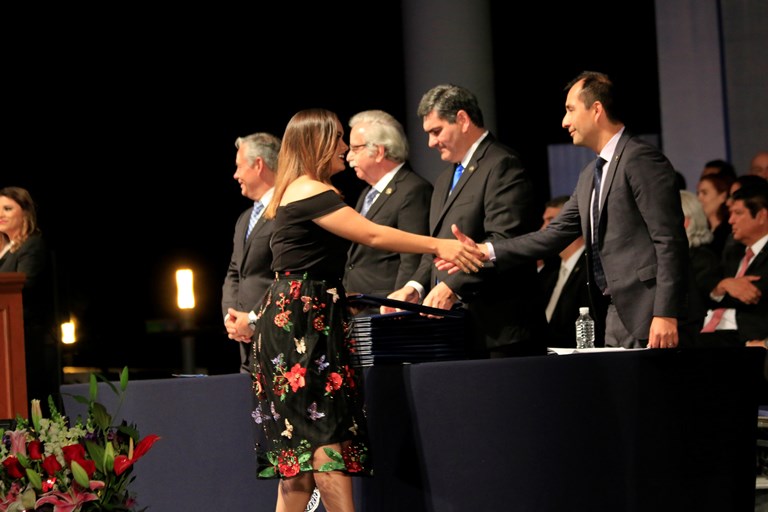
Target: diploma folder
406,336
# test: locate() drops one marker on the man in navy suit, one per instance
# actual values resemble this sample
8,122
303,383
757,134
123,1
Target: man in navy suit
638,247
739,311
396,197
249,273
486,192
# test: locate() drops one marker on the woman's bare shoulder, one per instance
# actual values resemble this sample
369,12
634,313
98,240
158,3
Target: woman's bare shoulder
303,188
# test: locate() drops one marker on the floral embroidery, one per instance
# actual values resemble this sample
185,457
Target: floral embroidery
333,383
314,415
296,377
301,346
288,432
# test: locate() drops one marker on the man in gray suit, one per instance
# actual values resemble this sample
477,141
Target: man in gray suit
249,273
486,191
638,247
396,197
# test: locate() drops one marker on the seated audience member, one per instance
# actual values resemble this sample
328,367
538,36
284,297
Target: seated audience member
547,268
746,180
564,285
759,165
739,306
720,167
395,196
712,192
703,268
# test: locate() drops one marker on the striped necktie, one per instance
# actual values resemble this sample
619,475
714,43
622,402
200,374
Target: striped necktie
257,207
370,197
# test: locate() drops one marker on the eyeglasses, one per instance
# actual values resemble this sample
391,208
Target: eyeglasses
354,148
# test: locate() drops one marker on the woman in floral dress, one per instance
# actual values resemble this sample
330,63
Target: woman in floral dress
310,397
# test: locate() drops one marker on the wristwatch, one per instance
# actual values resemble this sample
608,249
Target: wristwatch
252,318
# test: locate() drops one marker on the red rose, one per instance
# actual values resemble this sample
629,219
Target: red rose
13,467
73,452
51,465
35,450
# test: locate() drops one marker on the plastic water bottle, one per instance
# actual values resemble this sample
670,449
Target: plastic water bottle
585,330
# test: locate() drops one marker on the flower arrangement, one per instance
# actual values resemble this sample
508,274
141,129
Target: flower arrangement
52,465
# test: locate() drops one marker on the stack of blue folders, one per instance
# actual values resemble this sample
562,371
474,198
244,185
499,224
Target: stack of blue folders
407,336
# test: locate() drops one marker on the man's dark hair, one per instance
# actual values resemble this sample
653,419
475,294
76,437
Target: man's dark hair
598,87
755,197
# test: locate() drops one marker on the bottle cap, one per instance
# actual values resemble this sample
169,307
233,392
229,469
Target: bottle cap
583,311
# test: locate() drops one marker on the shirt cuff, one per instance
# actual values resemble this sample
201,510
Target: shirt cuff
491,252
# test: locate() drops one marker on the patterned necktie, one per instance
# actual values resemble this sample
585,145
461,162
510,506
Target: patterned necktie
456,175
370,197
717,315
257,207
597,265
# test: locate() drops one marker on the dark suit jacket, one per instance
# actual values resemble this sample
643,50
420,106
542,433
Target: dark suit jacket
751,319
249,274
643,245
403,205
561,329
703,276
32,259
493,200
38,298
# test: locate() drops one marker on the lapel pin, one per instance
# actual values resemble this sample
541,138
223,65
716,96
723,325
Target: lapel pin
388,191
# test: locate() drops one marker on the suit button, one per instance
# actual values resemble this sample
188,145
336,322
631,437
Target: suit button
351,266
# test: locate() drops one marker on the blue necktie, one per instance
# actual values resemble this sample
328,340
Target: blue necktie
597,265
257,207
370,197
457,175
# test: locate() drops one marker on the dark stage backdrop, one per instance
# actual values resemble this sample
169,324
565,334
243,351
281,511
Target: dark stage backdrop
123,130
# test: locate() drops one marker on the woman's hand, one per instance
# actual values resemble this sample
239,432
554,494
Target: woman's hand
463,253
452,266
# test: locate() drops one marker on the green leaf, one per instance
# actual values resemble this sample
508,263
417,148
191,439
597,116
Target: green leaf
272,458
101,416
334,455
96,453
332,466
81,477
267,473
34,479
305,456
109,383
23,460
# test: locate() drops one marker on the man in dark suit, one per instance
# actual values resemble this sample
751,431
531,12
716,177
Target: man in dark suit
493,199
396,196
739,311
564,285
638,249
249,273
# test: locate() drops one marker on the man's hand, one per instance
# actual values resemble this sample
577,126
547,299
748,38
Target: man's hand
237,326
404,294
740,288
440,297
442,264
663,332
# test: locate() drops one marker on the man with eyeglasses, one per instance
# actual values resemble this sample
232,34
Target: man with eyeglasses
395,196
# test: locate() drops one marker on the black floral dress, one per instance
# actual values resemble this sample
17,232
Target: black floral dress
309,392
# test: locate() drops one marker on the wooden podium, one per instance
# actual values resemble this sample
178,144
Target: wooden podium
13,372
